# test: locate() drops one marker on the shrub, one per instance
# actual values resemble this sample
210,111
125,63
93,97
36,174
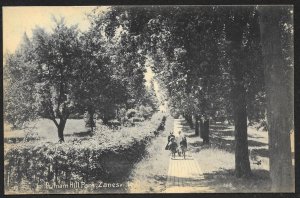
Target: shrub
131,113
145,112
121,115
76,116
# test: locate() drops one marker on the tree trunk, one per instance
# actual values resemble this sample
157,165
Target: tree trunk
105,120
90,123
201,128
279,112
196,125
234,33
189,120
60,129
205,133
242,163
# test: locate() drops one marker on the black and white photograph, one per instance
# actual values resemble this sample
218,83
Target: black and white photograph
148,99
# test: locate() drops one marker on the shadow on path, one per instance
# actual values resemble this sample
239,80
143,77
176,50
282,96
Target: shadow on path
226,181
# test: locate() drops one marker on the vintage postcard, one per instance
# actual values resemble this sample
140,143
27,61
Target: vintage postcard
148,99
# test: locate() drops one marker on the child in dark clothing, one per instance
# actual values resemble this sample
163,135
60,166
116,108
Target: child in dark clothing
183,146
173,147
169,140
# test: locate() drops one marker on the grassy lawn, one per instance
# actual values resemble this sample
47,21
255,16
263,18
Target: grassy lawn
46,129
217,161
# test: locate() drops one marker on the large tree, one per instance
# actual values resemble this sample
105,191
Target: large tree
123,30
278,72
235,27
98,88
56,56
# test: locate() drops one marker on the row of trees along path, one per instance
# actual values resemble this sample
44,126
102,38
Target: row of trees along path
233,61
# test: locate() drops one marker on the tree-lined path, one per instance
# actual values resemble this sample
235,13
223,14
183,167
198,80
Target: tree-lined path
226,72
184,175
157,172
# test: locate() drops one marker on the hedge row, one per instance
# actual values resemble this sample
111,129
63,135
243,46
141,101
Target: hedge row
108,156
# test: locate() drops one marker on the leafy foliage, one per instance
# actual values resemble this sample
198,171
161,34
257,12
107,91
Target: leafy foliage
19,102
